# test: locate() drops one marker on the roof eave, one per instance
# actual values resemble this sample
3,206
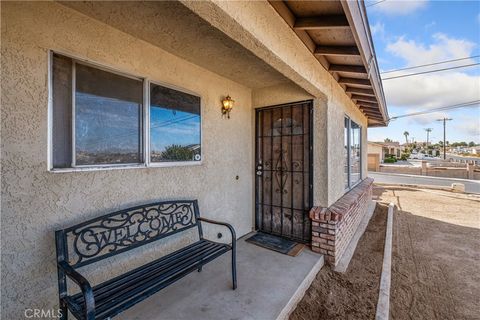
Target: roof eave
356,14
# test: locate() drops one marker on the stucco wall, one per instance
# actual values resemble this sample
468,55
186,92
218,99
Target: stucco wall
279,94
36,202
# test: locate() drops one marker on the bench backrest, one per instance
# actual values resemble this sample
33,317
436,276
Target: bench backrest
123,230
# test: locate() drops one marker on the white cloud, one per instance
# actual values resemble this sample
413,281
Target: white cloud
434,89
443,48
403,7
469,126
378,29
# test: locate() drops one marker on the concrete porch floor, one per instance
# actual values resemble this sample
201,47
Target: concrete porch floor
269,286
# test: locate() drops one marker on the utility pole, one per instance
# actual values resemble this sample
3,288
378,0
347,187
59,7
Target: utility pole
428,134
444,135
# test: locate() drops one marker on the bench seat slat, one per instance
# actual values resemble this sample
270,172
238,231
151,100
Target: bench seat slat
105,287
120,293
146,275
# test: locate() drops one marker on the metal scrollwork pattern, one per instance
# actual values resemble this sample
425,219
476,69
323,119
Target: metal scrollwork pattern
128,228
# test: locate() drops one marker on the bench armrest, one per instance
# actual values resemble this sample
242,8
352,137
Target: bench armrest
84,286
229,226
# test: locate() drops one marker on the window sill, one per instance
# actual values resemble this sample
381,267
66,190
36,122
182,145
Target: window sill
353,186
173,164
125,167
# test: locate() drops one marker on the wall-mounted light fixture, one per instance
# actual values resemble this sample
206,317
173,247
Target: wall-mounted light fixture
227,106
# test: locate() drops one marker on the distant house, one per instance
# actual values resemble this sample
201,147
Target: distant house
392,148
474,150
384,148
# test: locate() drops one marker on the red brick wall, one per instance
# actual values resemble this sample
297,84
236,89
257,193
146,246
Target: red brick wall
334,227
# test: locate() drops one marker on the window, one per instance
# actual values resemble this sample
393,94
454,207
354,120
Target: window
346,152
174,125
352,153
107,117
98,119
355,153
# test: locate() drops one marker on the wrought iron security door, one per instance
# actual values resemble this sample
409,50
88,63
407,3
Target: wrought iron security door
283,170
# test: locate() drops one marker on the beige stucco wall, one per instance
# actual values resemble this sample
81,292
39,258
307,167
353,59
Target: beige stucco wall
35,202
279,94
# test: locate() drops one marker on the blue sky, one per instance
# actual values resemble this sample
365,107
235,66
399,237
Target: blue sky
411,33
169,127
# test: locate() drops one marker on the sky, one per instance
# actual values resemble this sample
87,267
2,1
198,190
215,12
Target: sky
173,127
411,33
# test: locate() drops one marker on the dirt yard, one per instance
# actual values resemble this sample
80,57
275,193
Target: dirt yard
436,257
354,294
435,266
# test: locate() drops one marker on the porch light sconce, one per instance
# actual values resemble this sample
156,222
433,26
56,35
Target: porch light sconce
227,106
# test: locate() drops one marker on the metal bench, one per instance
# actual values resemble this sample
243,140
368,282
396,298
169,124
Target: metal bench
117,232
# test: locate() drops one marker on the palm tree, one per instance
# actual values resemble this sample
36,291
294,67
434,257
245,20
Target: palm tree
406,134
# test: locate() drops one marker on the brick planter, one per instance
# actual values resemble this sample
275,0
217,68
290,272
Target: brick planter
334,227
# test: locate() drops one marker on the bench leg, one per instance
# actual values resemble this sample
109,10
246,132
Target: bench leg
63,310
234,268
200,268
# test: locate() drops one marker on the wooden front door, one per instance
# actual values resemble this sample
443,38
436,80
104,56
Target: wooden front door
284,170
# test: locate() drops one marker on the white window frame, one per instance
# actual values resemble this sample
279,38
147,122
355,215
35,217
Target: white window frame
145,130
348,149
349,145
174,163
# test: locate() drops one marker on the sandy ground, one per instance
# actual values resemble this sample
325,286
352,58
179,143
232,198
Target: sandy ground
354,294
436,257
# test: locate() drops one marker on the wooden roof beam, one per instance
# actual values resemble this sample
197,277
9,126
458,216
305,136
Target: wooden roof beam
363,98
337,51
369,109
321,22
347,68
363,92
354,81
372,114
368,104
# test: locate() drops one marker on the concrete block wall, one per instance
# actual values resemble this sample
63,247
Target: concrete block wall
400,169
334,227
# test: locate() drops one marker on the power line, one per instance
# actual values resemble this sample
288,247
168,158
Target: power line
431,71
455,106
375,3
429,64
